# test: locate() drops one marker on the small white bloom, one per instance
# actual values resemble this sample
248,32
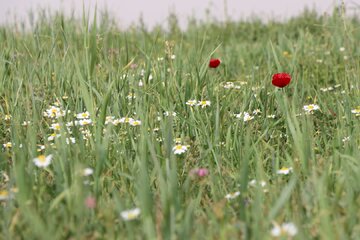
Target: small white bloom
109,119
40,148
180,149
342,49
256,111
131,214
42,161
238,115
85,122
55,126
130,96
126,120
346,139
191,102
72,123
232,195
7,117
285,170
26,123
286,229
311,108
229,85
83,115
53,136
271,116
247,117
141,83
204,103
54,112
135,123
7,145
356,111
86,134
166,114
70,140
254,183
88,171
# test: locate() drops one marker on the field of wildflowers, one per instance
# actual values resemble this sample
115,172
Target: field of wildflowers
236,130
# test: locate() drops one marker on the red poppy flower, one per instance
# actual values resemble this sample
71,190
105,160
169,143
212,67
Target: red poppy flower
214,62
281,79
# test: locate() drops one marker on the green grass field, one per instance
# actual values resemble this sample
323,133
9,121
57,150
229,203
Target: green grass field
96,121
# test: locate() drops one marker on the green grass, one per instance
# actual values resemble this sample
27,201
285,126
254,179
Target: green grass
93,67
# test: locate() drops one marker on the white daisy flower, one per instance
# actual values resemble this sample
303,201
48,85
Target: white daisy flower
284,171
54,112
180,149
233,195
247,117
204,103
191,102
126,120
131,214
42,161
135,122
311,108
55,126
85,122
286,229
83,115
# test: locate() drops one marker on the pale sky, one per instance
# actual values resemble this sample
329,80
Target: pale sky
155,11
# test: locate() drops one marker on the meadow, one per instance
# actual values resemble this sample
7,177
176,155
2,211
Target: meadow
130,134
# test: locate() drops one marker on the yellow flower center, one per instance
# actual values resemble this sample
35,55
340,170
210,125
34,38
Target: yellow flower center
42,158
135,123
178,147
4,193
131,215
